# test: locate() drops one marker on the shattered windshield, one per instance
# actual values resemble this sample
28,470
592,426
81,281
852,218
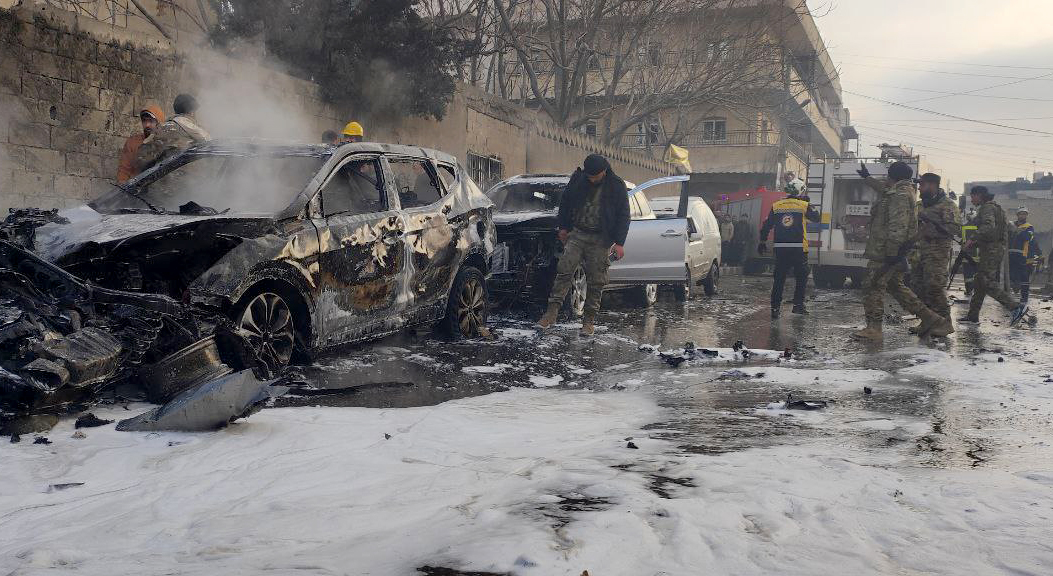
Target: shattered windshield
218,184
527,196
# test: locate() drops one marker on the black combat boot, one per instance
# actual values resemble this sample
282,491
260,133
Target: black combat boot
799,309
774,313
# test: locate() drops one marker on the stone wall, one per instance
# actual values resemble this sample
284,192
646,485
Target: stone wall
71,88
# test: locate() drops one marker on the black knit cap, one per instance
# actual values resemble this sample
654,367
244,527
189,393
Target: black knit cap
899,171
980,191
930,177
595,163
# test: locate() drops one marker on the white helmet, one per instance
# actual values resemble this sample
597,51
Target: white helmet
1022,209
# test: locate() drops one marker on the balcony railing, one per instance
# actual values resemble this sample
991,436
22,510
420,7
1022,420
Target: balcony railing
698,139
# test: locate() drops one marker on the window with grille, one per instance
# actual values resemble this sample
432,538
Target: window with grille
485,170
714,130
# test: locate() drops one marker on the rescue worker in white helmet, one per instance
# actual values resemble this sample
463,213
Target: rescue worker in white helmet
1024,254
788,217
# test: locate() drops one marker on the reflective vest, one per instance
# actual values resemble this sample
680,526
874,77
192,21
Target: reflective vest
967,233
1021,241
789,218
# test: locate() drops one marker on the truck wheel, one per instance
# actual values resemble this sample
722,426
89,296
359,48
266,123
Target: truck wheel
467,307
644,296
709,283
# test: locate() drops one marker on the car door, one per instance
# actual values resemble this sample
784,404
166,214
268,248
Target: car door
710,236
430,236
655,250
361,253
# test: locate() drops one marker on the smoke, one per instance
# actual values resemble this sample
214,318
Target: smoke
252,97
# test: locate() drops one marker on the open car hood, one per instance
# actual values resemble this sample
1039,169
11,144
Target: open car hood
55,240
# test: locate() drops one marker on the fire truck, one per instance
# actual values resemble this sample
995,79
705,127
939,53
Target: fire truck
844,201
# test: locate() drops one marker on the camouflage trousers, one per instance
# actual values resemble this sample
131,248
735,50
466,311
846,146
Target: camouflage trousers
986,283
881,278
591,251
931,287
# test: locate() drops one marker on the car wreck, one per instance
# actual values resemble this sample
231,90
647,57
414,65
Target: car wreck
235,256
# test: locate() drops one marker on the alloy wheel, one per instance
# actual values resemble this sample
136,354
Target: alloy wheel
267,323
578,291
471,307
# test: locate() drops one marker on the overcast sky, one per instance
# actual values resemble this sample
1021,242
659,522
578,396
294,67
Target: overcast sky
895,50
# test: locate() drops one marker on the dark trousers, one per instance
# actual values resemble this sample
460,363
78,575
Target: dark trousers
787,259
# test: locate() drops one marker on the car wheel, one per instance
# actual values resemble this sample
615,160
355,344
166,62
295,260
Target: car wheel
266,320
467,308
579,288
684,293
709,283
646,295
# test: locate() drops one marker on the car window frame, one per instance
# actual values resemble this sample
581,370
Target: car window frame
142,181
393,194
317,202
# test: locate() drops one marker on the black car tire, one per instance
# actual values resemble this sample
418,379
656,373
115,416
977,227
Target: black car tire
685,292
644,296
272,321
709,283
468,305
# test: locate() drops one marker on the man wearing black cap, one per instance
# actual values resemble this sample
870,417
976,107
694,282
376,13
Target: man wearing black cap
593,222
991,235
892,230
938,226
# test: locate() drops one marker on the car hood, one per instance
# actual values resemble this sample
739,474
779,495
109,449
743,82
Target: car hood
55,240
513,218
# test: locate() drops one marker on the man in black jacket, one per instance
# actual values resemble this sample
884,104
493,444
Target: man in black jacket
593,222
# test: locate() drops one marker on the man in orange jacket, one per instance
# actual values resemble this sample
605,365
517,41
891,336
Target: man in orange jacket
152,116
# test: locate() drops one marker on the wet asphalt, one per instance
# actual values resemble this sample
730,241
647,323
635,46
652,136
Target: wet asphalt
707,408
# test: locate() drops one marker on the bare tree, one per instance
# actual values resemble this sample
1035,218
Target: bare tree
616,64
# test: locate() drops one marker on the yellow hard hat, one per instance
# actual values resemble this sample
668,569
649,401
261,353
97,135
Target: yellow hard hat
353,129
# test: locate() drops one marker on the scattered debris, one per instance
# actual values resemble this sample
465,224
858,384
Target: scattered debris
387,436
867,390
15,438
210,406
79,435
41,440
787,354
632,445
90,420
63,486
1000,359
792,404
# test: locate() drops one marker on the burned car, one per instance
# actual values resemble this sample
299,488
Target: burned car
304,247
523,263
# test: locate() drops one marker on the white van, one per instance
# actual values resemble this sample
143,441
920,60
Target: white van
702,254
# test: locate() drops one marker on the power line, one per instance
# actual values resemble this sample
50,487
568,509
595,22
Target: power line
948,72
993,97
973,91
977,147
958,155
916,109
954,120
952,63
908,124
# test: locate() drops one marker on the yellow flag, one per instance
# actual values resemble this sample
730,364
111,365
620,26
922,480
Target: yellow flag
678,157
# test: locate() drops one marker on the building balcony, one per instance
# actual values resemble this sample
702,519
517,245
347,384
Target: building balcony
743,151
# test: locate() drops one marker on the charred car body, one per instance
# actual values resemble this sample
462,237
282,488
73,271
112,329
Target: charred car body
523,263
301,247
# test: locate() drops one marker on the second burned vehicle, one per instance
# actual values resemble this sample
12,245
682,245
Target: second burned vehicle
524,260
304,247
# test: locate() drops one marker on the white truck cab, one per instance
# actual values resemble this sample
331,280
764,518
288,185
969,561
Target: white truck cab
844,201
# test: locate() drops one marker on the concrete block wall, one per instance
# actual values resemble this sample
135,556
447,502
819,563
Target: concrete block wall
71,88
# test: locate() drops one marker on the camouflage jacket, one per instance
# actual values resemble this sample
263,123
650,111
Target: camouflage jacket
893,221
179,133
939,222
991,226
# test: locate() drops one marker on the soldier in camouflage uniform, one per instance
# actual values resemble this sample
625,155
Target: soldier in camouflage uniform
938,225
893,226
593,223
992,233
